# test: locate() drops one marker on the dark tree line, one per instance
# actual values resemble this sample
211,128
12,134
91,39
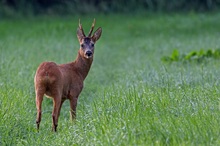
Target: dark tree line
35,7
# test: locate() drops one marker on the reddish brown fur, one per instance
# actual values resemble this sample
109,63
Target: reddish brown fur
65,81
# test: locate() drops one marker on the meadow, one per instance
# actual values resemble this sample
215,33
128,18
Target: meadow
130,96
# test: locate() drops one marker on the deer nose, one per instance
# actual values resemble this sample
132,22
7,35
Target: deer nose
89,53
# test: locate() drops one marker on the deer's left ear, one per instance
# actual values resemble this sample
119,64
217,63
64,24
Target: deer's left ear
97,34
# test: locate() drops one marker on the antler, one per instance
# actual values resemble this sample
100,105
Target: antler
90,32
80,27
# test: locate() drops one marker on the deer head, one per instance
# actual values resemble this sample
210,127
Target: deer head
87,42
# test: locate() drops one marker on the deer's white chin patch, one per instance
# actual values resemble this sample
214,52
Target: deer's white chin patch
88,57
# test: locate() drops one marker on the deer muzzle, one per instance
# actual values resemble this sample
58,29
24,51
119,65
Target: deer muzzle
88,54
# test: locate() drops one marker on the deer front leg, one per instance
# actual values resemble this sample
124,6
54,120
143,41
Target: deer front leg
56,110
39,99
73,104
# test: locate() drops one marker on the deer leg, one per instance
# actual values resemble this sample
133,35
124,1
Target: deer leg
73,104
60,106
39,99
56,109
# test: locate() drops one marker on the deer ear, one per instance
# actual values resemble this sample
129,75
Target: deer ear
80,34
97,34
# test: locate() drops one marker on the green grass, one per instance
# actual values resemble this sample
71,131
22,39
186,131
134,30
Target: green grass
130,97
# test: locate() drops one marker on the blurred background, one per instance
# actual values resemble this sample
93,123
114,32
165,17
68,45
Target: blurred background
71,7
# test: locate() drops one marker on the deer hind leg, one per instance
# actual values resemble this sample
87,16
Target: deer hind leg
62,100
39,99
56,111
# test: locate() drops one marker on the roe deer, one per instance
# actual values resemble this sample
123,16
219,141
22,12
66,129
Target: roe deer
65,81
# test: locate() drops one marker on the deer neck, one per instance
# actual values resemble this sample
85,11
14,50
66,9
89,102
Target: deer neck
82,65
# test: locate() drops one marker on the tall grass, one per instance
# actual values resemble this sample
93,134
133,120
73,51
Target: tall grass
130,96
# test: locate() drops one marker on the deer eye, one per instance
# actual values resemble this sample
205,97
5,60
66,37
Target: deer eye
92,45
82,45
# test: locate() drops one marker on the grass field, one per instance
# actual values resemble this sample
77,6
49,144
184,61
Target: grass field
130,97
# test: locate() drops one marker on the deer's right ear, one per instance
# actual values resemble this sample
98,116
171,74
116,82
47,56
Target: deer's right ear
80,34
